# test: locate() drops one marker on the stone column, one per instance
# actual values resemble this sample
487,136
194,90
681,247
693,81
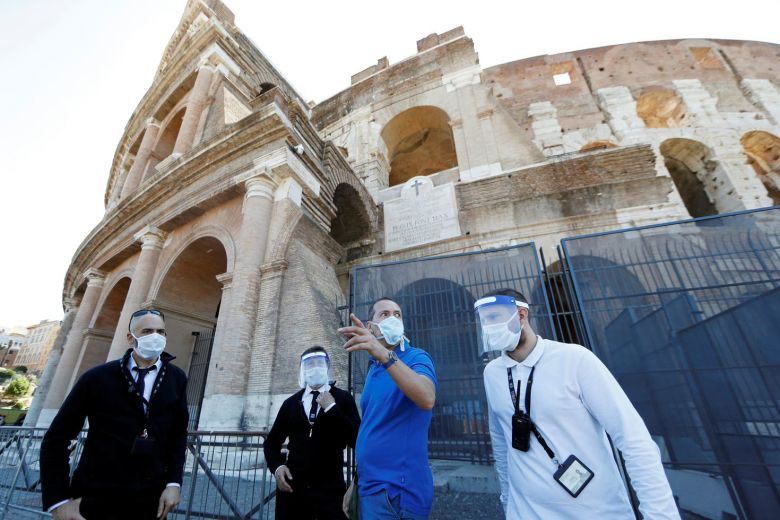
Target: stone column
135,175
152,240
224,399
49,369
71,349
195,104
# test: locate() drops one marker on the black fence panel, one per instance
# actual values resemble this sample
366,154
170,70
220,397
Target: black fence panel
687,317
437,296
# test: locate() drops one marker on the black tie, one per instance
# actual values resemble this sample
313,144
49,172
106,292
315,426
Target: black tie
313,410
141,377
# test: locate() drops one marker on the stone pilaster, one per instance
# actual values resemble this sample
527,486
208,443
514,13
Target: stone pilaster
763,94
44,383
548,135
71,349
196,102
152,240
472,136
224,399
620,107
258,406
135,175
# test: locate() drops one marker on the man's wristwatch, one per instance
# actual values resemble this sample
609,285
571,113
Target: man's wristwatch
392,357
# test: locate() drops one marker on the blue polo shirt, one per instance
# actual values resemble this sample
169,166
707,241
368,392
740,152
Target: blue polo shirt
392,443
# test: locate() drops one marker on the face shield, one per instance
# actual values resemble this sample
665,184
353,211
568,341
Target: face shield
315,370
498,323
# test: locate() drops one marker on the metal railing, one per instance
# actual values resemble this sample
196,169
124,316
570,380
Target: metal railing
225,475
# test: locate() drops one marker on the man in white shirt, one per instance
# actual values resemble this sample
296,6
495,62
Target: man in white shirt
551,406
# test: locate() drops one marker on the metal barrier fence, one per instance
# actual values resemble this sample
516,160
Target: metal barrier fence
225,476
687,317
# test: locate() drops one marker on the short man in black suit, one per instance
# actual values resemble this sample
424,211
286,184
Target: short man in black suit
133,459
319,420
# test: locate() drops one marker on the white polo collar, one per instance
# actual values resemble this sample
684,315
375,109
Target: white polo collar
532,358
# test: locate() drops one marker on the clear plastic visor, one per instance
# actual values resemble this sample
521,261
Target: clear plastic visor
311,363
498,321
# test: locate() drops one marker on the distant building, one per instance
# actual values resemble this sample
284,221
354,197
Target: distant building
10,344
40,339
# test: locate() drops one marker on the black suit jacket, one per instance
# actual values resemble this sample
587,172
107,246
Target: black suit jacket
316,460
106,396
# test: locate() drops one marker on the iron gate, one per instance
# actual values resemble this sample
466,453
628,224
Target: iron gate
196,376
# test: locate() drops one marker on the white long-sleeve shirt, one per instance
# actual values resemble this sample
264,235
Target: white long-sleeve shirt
575,402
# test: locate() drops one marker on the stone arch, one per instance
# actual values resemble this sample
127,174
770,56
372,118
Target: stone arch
265,87
340,173
419,141
351,223
660,108
98,337
763,152
690,165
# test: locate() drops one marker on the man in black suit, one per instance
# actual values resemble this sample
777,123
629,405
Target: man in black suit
319,420
133,459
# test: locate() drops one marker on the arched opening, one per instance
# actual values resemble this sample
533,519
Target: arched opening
97,340
660,108
190,296
351,223
597,145
265,87
763,151
419,141
689,165
165,142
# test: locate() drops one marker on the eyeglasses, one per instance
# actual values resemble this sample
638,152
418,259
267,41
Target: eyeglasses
144,312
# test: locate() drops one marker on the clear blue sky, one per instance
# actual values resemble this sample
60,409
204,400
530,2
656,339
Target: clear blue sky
74,70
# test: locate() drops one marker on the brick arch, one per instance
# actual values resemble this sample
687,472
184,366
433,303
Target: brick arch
219,234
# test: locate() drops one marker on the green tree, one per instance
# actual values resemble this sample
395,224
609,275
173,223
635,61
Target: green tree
18,387
21,369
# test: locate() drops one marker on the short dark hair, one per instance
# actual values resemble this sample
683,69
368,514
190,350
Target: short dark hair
517,295
315,348
380,299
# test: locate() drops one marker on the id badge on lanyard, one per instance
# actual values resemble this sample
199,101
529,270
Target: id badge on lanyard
573,475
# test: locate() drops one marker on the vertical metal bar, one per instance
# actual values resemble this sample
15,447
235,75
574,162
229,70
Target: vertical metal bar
193,479
13,484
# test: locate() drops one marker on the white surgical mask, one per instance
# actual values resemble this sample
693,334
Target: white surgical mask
499,336
392,329
316,377
149,346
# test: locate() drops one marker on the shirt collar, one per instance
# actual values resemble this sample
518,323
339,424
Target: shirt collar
309,390
531,360
131,364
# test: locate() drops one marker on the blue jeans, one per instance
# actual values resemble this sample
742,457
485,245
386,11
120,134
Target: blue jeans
379,506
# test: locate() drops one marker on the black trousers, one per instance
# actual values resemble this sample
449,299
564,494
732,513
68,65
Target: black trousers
129,506
310,503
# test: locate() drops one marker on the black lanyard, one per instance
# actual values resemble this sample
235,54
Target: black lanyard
516,403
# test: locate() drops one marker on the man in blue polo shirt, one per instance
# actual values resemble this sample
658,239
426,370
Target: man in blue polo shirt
394,478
